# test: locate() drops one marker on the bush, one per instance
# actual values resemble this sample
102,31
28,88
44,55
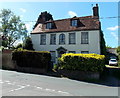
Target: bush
82,62
35,59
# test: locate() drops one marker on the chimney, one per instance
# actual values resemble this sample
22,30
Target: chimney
96,10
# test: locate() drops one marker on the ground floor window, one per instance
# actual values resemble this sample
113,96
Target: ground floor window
85,52
53,56
71,52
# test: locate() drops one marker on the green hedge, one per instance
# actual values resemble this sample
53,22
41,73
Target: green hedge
35,59
82,62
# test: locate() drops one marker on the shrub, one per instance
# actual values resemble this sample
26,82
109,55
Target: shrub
82,62
35,59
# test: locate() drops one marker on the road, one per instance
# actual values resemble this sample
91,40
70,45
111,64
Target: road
24,84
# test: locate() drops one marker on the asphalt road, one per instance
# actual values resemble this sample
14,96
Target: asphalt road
23,84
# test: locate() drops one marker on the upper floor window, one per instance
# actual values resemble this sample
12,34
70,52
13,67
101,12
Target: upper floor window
74,22
62,39
43,40
84,38
49,25
72,38
53,39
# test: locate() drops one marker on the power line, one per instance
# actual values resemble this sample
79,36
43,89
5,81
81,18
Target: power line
113,17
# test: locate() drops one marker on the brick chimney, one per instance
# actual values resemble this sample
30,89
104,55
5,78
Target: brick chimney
96,10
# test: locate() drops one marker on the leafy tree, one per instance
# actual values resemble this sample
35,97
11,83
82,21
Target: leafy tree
118,49
102,44
11,27
43,17
28,44
19,46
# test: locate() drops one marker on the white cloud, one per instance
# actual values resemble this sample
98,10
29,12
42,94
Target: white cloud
113,28
114,35
23,10
72,14
21,16
29,26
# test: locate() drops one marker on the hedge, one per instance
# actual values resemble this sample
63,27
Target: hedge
82,62
35,59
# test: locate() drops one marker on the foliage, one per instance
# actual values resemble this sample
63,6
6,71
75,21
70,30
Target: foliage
102,44
11,27
44,16
82,62
118,51
19,46
35,59
28,44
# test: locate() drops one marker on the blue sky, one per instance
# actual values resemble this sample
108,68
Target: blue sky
29,11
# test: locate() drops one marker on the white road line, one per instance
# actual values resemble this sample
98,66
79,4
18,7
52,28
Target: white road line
7,81
63,92
1,82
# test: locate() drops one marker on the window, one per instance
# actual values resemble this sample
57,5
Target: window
84,37
72,52
48,25
62,39
74,23
53,39
85,52
43,40
71,38
53,56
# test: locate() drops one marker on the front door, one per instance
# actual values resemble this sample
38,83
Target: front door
60,53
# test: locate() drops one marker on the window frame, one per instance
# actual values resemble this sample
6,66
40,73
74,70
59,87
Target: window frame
85,52
42,39
74,22
62,39
70,34
49,25
53,59
52,42
84,38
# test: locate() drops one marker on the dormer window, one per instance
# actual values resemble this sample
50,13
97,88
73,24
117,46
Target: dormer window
74,22
49,25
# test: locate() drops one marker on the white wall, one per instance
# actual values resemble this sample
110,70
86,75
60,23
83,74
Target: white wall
92,47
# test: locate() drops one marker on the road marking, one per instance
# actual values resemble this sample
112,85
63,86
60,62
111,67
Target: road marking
63,92
1,82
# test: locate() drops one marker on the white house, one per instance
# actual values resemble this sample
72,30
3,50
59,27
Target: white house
72,35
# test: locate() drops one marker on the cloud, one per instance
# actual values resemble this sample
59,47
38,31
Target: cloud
113,28
29,26
21,16
23,10
114,35
72,14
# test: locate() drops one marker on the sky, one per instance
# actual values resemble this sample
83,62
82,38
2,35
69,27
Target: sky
108,11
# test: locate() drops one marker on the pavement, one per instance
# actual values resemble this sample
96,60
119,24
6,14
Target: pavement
23,84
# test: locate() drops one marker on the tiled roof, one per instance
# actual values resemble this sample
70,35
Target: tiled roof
64,25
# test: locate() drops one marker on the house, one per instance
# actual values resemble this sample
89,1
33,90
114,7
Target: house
72,35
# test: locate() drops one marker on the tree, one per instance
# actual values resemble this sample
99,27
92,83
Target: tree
102,44
11,27
43,17
118,49
28,44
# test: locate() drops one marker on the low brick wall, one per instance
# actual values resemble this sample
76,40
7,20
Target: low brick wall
31,70
79,75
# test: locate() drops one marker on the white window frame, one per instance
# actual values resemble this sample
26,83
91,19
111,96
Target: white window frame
49,25
72,39
74,22
84,38
52,39
43,39
62,39
53,56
